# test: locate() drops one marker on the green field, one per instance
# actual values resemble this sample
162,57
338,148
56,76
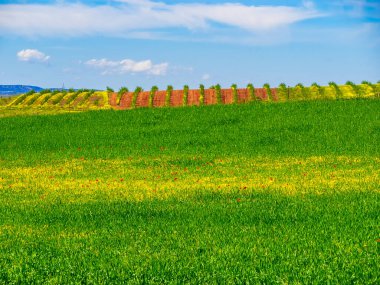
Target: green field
284,193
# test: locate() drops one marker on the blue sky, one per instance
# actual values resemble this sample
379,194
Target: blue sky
94,44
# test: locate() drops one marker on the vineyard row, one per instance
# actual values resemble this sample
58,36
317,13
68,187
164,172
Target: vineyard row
124,99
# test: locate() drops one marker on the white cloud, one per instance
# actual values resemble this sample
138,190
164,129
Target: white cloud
128,66
132,16
206,76
32,55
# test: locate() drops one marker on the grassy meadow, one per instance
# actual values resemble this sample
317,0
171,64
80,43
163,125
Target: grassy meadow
258,193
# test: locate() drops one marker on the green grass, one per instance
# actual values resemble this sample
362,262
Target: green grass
259,193
299,128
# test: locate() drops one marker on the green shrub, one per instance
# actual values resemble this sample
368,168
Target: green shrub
135,95
151,95
369,84
266,86
218,91
109,91
338,92
355,88
120,94
316,91
201,94
234,93
251,92
301,91
168,96
185,95
369,89
45,91
282,92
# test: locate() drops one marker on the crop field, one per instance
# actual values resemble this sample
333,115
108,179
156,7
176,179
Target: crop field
251,193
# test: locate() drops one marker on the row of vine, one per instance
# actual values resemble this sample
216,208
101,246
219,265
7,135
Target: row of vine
282,93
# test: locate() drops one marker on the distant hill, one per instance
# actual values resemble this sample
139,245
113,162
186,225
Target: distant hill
10,90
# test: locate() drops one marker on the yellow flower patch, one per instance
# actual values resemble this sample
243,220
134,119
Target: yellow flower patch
158,178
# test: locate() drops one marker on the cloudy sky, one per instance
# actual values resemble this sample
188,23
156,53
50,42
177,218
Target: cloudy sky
99,43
